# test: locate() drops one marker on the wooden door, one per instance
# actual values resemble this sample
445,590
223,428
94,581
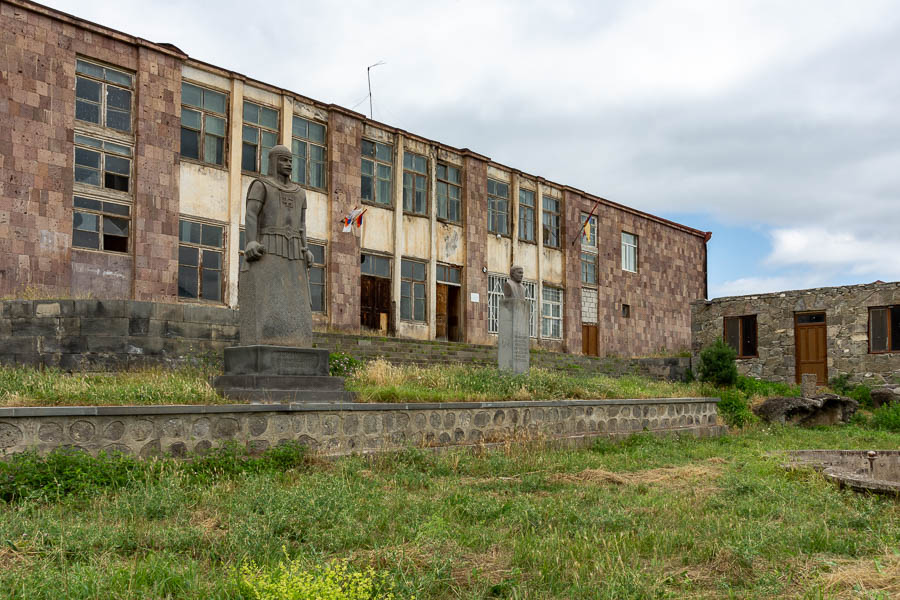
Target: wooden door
589,340
453,328
810,336
440,312
374,302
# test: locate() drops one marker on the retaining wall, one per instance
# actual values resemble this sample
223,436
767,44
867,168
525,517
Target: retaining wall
337,429
109,334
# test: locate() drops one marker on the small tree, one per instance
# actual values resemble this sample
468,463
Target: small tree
717,364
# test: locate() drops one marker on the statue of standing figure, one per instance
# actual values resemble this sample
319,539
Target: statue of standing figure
273,286
513,341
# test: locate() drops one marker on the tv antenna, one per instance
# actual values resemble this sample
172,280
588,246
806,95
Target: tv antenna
369,77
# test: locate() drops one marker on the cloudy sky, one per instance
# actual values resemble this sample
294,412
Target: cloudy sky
775,125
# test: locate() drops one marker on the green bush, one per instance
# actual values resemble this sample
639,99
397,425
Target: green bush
717,364
734,407
887,417
342,365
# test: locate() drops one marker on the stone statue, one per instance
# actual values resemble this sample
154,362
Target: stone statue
513,343
273,286
512,287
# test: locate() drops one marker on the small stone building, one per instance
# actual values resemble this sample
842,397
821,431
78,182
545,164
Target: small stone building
853,330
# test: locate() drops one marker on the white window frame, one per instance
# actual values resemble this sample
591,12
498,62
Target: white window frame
629,252
531,296
548,319
495,293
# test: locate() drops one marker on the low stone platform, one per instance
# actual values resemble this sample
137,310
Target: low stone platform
279,374
337,429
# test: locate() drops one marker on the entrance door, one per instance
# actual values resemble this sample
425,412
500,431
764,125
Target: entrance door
440,312
453,328
375,302
446,312
812,346
589,340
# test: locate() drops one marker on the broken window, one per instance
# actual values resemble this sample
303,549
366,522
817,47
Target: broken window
415,183
102,164
412,290
203,124
449,193
377,171
551,313
498,207
308,149
260,134
317,277
100,225
884,329
740,334
200,260
526,215
629,252
551,221
103,95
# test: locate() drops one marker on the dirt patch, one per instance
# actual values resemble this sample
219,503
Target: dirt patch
672,477
861,577
208,522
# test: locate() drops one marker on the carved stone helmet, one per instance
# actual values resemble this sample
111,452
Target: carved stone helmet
274,153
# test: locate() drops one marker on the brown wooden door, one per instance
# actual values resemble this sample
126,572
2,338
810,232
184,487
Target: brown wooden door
440,312
589,340
812,346
453,328
374,302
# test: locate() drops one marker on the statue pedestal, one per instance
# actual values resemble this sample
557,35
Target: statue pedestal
279,374
513,343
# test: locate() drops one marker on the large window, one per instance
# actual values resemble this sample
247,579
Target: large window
589,268
102,164
551,222
308,148
526,215
884,329
740,334
100,225
629,252
260,134
200,265
449,193
498,207
376,172
415,183
551,313
317,277
203,119
103,95
412,290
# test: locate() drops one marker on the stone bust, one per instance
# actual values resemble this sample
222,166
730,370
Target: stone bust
512,287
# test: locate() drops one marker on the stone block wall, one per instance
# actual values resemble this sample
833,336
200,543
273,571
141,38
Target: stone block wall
148,431
846,311
476,281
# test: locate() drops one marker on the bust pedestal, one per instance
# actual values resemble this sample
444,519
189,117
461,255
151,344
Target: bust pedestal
513,342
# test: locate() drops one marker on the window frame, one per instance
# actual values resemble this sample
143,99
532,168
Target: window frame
376,179
891,312
103,147
524,219
494,294
494,212
202,132
308,161
742,319
103,105
448,183
260,129
416,175
531,297
630,249
323,267
412,298
199,268
593,245
554,216
102,214
447,268
593,268
388,259
550,318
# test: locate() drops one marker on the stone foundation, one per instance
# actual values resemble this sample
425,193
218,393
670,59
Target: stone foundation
337,429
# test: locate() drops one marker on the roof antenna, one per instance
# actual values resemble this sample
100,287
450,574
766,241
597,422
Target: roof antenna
369,77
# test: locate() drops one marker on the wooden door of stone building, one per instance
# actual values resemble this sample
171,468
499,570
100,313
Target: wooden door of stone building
589,340
375,302
811,341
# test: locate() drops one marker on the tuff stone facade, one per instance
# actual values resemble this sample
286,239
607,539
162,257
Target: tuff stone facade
846,311
40,49
148,431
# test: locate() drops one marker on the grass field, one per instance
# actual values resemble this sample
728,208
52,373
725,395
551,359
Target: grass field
645,518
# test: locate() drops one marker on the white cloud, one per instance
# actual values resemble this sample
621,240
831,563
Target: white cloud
819,249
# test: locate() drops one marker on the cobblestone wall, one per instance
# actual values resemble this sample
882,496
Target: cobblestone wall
148,431
846,311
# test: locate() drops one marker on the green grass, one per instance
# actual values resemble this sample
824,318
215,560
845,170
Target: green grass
646,518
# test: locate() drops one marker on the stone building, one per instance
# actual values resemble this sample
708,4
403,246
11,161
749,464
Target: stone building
852,330
125,164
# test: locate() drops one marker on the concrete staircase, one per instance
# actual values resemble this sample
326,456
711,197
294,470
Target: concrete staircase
417,352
